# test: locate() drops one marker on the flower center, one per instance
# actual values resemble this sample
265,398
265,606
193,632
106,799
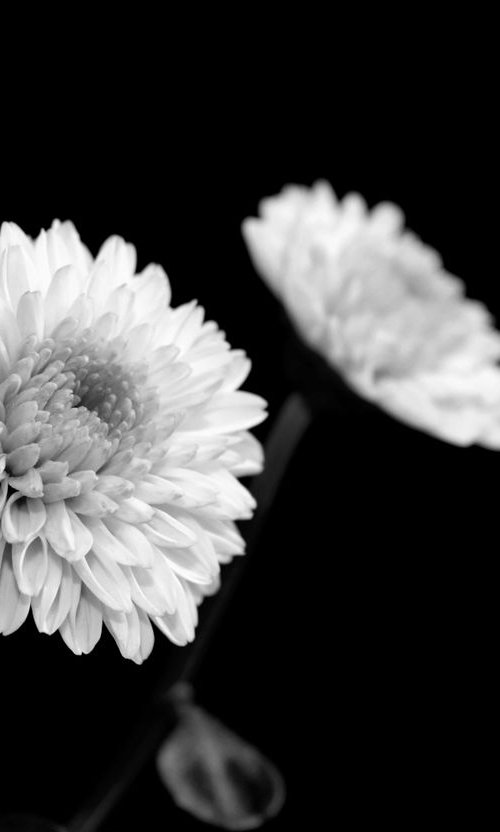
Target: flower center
398,318
74,400
103,385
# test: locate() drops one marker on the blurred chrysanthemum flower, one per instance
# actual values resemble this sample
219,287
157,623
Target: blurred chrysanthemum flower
122,434
377,304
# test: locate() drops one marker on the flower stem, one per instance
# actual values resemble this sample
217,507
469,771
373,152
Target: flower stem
159,718
289,427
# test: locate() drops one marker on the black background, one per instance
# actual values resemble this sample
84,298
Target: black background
359,654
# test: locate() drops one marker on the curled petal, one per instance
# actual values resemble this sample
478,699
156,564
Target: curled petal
59,595
30,563
14,606
22,518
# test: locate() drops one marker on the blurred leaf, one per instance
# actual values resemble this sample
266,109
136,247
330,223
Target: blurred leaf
216,776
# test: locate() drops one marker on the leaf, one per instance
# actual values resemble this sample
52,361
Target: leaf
216,776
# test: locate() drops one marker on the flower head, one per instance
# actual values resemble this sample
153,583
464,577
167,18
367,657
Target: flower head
122,434
378,305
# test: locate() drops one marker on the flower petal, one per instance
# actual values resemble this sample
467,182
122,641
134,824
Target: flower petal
180,625
14,606
164,530
133,539
81,630
126,630
107,545
22,518
30,563
30,317
66,533
106,580
59,595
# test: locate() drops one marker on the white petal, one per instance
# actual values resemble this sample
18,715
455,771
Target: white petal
114,487
30,318
191,564
44,601
22,518
66,533
30,484
180,625
126,630
56,492
4,490
106,580
146,590
12,235
165,579
225,537
266,248
93,504
156,490
17,274
133,539
164,530
75,251
11,337
81,630
133,510
147,638
100,283
152,293
59,595
247,456
14,606
23,458
52,471
227,412
30,563
121,304
188,488
107,545
64,289
120,257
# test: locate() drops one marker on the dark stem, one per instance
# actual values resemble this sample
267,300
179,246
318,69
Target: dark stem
159,718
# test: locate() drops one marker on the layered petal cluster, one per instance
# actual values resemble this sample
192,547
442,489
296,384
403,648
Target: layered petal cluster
378,305
122,435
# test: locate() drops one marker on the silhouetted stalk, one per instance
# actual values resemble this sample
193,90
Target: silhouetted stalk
159,718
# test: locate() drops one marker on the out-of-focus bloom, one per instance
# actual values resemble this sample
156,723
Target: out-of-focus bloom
216,776
122,434
377,304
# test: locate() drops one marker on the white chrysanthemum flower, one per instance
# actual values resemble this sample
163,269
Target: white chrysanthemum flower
378,305
122,434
